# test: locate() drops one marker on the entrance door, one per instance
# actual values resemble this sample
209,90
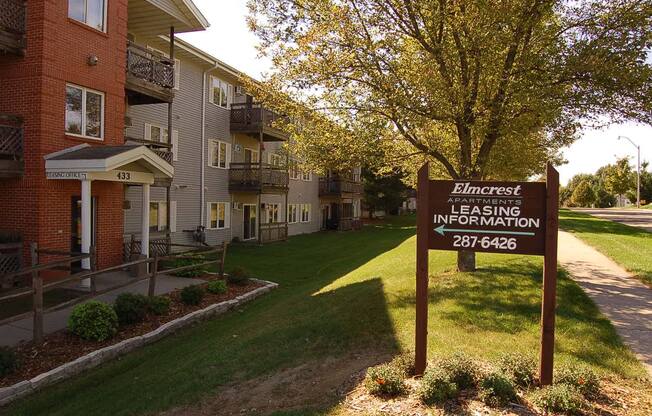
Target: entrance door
250,155
249,221
325,216
76,231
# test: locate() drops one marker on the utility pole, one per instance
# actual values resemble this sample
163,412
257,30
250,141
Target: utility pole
638,170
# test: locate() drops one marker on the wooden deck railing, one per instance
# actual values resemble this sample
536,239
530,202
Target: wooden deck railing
12,26
257,176
253,117
11,137
150,66
163,150
335,186
276,231
38,287
347,224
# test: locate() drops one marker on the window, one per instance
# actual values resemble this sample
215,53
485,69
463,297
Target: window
90,12
158,216
157,133
306,176
177,66
305,212
218,215
272,211
292,213
220,92
275,160
220,154
294,170
84,112
250,155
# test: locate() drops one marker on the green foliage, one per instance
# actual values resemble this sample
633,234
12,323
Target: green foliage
463,370
619,178
519,368
404,363
436,386
191,272
192,295
558,398
8,361
238,276
496,390
93,321
584,379
583,195
384,380
159,305
130,308
217,287
384,191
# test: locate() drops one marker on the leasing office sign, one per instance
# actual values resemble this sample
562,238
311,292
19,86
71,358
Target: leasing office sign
498,217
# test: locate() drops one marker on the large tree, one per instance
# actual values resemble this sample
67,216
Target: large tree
486,89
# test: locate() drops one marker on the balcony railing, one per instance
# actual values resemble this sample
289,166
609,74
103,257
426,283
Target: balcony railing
277,231
12,26
163,150
347,224
255,118
337,186
258,177
11,146
149,74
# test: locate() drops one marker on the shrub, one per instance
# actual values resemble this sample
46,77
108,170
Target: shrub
238,276
558,398
93,321
159,305
520,368
436,386
404,363
8,361
497,390
217,286
192,272
192,295
581,377
463,371
384,380
130,308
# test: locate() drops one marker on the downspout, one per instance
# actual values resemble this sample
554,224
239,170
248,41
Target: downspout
202,171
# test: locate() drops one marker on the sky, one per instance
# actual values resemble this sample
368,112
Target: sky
228,39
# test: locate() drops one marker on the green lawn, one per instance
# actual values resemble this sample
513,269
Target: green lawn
630,247
342,293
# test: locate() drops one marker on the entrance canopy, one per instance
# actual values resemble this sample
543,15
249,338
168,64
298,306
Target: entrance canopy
134,164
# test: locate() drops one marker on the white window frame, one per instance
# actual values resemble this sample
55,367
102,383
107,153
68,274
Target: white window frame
270,208
147,134
229,91
83,135
307,209
294,171
227,216
306,176
161,215
227,148
292,214
255,154
104,13
275,159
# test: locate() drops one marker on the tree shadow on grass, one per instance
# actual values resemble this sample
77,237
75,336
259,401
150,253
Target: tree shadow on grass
579,222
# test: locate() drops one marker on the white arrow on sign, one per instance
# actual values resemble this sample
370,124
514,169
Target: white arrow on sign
442,229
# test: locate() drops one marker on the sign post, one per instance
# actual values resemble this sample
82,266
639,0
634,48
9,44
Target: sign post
495,217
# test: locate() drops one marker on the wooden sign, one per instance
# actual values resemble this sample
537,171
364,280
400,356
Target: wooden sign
495,217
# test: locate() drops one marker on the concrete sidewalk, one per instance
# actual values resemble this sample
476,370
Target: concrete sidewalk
620,296
16,332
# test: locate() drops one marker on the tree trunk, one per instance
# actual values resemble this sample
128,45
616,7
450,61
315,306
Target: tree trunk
466,261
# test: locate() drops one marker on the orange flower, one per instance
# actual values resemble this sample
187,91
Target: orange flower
581,381
380,381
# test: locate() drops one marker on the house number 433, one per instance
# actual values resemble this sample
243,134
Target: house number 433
124,176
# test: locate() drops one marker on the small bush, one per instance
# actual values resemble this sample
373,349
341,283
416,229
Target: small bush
558,398
217,286
404,363
581,377
463,371
159,305
192,295
8,361
384,380
520,368
192,272
238,276
93,321
497,390
436,386
131,308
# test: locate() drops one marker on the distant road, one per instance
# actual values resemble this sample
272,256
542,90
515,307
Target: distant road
641,218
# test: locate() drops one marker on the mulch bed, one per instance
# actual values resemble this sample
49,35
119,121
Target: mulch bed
62,346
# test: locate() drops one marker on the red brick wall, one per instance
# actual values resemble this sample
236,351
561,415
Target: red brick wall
33,87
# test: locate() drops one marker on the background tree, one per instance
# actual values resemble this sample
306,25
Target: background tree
383,191
619,177
485,89
583,195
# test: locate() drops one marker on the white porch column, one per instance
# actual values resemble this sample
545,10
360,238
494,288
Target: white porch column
86,226
144,231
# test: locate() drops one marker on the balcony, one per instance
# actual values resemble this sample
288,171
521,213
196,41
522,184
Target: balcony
338,187
163,150
254,119
11,146
150,76
12,27
258,177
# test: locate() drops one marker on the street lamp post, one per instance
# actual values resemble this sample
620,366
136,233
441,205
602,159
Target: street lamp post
638,170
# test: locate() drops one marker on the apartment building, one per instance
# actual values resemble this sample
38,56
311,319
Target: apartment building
112,127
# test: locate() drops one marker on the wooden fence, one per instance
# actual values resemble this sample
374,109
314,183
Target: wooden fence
38,287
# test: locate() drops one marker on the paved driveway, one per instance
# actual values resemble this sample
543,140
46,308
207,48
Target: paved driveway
641,218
